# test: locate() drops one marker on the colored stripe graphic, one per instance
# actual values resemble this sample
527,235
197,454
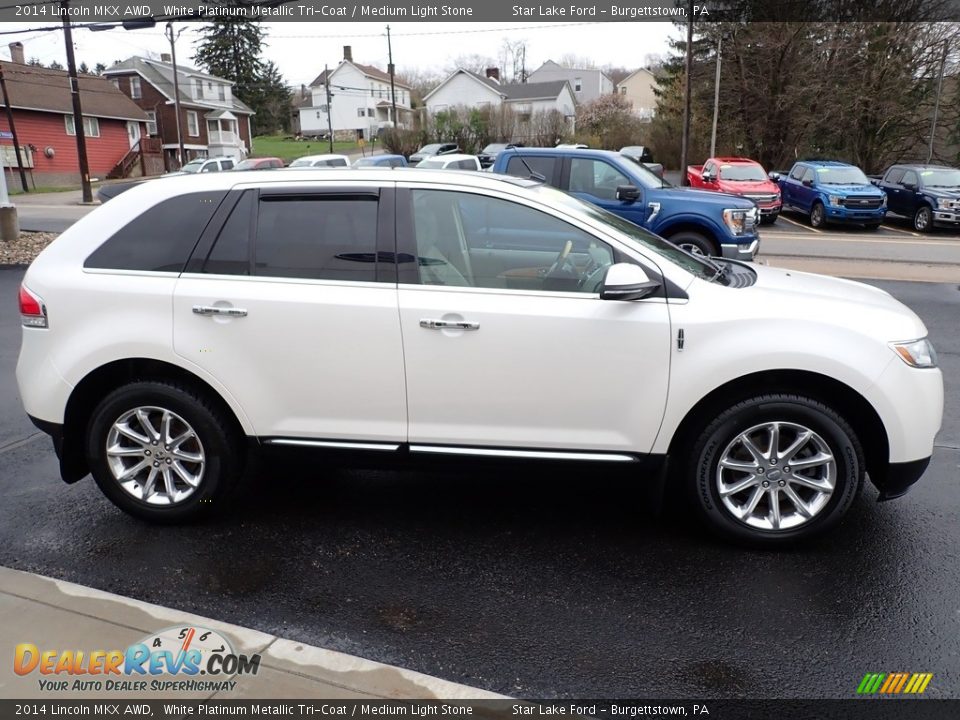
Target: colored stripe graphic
894,683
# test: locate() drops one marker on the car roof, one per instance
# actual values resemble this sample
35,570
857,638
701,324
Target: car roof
826,163
453,157
327,156
585,152
910,166
736,160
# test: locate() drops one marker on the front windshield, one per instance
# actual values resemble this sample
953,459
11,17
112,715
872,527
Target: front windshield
432,164
303,162
495,148
647,177
193,166
364,162
742,173
630,233
842,176
429,149
947,177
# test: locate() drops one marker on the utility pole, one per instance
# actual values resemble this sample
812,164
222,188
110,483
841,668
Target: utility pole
176,89
77,111
716,102
393,92
326,85
685,137
936,106
13,131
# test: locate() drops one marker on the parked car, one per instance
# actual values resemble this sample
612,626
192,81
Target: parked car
455,161
433,149
830,191
703,223
327,160
488,155
739,176
381,161
927,194
643,155
259,163
162,368
205,165
109,191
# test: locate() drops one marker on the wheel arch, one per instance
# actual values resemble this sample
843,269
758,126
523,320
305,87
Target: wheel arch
846,401
99,382
692,227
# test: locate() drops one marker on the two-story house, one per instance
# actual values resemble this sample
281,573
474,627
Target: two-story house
212,121
639,90
361,101
587,83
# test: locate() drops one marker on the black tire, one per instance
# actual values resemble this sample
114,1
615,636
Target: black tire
818,216
769,219
923,219
873,226
708,448
695,243
219,443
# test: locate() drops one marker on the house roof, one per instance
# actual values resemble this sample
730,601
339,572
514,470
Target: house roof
160,75
368,70
551,65
511,91
36,88
635,72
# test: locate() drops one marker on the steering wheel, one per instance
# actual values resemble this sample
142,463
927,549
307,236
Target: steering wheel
561,258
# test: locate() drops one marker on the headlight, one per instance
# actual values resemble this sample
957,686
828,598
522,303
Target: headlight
883,200
916,353
836,200
944,203
736,220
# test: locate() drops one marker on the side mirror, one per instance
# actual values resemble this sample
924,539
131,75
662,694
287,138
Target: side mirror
628,193
775,176
707,177
807,183
626,281
909,186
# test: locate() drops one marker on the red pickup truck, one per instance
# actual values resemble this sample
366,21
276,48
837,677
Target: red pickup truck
739,176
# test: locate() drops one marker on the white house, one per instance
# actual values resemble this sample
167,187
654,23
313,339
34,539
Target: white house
639,90
587,83
361,102
476,91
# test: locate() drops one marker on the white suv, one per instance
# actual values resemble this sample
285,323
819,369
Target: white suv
418,313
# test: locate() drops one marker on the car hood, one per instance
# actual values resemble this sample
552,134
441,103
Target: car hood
953,193
853,189
752,187
705,197
835,301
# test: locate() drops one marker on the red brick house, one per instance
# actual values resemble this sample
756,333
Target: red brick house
43,115
212,121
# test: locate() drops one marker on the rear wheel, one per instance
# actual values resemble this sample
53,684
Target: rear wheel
162,453
923,219
694,243
775,469
817,215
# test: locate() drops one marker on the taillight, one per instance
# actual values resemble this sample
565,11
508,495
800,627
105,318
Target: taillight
33,313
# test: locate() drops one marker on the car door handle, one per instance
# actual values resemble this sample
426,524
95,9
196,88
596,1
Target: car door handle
432,324
211,310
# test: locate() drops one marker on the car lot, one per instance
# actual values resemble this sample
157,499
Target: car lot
526,582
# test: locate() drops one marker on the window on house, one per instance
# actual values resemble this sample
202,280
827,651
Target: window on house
193,124
623,90
223,91
199,86
135,88
91,126
369,112
361,112
151,122
116,83
578,84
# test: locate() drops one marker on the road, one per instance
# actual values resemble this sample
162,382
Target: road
527,583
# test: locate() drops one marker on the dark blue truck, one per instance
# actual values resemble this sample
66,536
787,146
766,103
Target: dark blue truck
704,223
927,194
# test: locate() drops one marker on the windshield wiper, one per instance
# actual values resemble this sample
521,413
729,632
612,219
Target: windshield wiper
721,272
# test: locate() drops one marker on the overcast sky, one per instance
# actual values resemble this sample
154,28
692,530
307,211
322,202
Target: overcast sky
300,49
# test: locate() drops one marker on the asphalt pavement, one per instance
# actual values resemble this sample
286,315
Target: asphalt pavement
526,583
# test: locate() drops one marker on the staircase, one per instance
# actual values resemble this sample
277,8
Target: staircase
131,164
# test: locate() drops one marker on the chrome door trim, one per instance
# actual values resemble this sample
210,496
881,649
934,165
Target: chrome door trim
337,444
528,454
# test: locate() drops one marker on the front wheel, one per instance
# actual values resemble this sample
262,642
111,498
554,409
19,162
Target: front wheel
775,469
818,216
162,453
694,243
923,219
769,219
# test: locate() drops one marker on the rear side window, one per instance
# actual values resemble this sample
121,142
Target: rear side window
160,239
467,165
226,164
537,163
230,255
322,237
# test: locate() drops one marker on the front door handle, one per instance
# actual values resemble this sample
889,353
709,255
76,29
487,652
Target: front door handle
432,324
211,310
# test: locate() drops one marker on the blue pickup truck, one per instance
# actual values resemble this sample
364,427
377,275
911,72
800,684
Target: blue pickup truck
830,191
704,223
927,194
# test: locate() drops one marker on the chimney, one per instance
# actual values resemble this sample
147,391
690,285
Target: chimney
348,53
16,53
493,74
303,90
165,57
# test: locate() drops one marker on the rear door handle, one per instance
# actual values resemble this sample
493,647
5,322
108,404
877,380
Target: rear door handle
211,310
432,324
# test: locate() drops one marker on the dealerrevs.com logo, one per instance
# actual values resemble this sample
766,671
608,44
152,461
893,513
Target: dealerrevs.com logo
896,683
177,659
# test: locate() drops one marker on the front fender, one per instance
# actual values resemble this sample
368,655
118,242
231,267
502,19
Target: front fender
669,221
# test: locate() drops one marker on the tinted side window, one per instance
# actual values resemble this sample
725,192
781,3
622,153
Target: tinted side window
797,172
226,164
910,177
210,167
809,175
230,254
537,163
895,175
467,165
160,239
325,237
595,177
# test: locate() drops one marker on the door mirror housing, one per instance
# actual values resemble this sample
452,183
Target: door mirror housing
909,186
708,177
626,281
774,176
807,183
628,193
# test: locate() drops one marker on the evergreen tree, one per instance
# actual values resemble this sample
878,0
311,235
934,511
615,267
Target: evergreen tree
99,68
231,49
83,69
271,101
56,66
